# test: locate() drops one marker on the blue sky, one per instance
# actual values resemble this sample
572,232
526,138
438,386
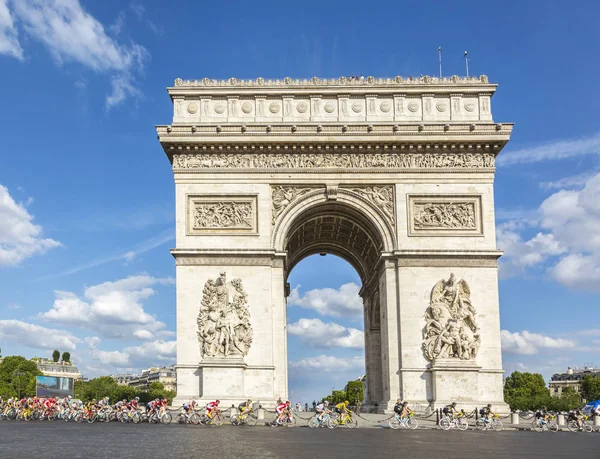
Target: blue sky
86,194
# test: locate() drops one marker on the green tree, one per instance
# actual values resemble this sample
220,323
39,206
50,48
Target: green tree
526,391
568,400
337,396
355,392
56,355
15,372
98,388
590,388
66,357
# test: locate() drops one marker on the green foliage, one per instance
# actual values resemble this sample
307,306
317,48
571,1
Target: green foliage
105,386
66,357
10,380
568,400
355,392
56,355
526,391
337,396
590,388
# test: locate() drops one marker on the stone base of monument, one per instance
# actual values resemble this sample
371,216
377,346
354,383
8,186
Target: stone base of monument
229,380
464,382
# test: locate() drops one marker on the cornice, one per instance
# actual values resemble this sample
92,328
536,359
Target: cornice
369,82
332,132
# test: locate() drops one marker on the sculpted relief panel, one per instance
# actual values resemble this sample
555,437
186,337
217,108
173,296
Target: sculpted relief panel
449,215
282,197
217,214
451,330
382,197
224,328
215,161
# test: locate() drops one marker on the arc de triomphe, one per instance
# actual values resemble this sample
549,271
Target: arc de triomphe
393,175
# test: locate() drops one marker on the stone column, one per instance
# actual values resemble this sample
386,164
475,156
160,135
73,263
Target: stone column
390,356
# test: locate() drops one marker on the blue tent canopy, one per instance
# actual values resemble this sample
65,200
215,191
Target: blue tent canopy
591,408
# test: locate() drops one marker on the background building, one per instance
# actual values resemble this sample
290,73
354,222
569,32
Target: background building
164,375
570,378
49,367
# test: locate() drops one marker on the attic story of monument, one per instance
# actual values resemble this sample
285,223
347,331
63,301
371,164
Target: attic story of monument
393,175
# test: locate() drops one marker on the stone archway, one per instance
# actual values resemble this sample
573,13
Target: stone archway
394,175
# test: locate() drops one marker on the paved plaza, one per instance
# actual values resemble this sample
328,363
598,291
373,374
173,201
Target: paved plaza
62,440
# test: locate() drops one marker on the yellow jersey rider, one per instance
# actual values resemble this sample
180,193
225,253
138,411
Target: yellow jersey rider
341,409
245,408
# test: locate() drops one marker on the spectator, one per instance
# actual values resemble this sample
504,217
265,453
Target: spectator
314,405
306,407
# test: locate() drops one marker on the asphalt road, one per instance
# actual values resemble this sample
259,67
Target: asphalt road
67,440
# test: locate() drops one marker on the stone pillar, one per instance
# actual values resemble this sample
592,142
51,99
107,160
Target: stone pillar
561,419
596,420
390,358
514,418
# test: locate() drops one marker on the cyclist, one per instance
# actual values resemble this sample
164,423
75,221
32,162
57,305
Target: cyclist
542,415
341,409
245,408
405,410
189,406
450,411
398,407
578,416
280,409
486,414
212,406
322,407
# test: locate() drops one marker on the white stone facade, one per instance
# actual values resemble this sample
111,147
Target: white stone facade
396,176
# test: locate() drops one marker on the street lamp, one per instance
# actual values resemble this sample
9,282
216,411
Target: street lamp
18,374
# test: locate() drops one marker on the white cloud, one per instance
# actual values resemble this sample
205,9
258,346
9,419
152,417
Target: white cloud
117,26
71,34
568,235
316,333
554,150
330,363
328,301
145,355
572,181
92,341
9,41
527,343
20,238
35,336
113,309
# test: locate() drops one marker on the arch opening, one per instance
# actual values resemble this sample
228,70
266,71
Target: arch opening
334,228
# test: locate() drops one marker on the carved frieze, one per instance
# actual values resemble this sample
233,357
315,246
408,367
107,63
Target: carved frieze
221,214
382,197
224,328
283,196
451,330
445,215
346,161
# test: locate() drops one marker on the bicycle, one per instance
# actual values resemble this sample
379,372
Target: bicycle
160,417
408,422
287,421
459,422
539,425
586,426
185,418
345,419
322,420
246,419
486,424
217,419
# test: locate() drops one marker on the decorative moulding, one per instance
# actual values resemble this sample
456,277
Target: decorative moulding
444,215
221,214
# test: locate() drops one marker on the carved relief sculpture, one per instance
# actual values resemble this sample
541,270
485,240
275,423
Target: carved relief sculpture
382,197
451,330
211,214
223,214
224,327
460,215
333,161
283,196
